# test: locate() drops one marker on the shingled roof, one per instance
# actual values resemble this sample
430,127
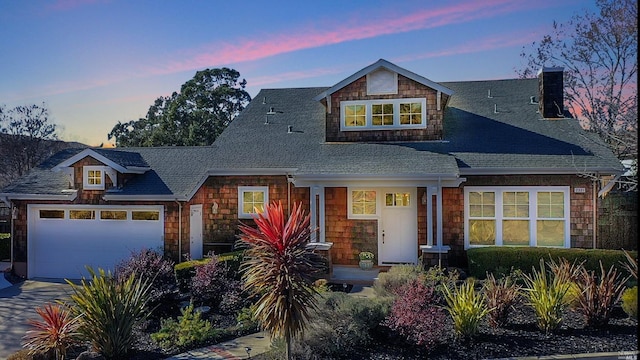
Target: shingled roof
490,127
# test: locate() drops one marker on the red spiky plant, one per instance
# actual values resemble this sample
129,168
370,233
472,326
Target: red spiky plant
57,331
279,270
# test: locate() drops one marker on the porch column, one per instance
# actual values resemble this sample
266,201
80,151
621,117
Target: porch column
434,253
317,213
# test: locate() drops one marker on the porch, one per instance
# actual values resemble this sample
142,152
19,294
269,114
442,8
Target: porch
353,275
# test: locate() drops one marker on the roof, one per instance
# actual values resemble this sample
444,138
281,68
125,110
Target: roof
490,127
389,66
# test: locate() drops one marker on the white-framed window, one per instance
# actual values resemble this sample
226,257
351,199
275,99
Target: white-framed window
252,199
93,177
358,115
362,204
517,216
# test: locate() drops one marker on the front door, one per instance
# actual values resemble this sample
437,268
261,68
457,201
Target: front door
195,231
398,227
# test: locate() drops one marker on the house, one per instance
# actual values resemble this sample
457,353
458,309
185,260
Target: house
385,161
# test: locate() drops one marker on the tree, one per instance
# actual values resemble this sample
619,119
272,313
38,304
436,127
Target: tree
26,135
279,270
204,107
599,53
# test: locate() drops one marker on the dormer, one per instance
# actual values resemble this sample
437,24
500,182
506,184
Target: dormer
384,102
101,169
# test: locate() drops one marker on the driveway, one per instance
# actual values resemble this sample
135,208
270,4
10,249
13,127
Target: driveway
17,304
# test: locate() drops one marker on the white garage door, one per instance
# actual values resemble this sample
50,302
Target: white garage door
63,239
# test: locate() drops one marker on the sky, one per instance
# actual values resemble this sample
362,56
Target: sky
94,63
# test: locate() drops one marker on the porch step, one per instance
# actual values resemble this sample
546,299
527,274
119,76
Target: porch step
354,275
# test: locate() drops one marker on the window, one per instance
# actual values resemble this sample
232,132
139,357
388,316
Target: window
550,226
362,204
113,215
383,114
51,214
482,218
145,215
93,177
410,113
397,199
355,115
251,199
517,216
82,214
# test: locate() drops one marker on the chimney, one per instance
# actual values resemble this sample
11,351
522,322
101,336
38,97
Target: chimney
551,87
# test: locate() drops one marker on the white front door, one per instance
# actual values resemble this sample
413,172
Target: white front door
195,231
398,227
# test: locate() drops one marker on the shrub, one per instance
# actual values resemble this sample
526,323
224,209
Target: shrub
234,297
150,266
466,307
188,331
415,314
246,318
599,295
502,294
389,283
109,310
349,322
631,265
186,270
630,302
209,284
28,355
488,259
56,332
546,296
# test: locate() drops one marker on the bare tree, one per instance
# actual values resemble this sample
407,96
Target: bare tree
599,53
26,133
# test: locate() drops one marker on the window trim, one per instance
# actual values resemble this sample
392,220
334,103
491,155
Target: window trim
85,177
351,215
242,190
533,214
396,114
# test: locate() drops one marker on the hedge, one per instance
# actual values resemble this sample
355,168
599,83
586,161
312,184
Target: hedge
186,270
499,259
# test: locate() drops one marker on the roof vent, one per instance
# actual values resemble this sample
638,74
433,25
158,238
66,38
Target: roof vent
489,94
289,129
264,100
495,108
532,100
266,120
271,111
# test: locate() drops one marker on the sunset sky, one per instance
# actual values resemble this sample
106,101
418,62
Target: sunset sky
96,62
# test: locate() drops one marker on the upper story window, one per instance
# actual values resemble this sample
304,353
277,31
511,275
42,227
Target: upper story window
360,115
251,200
93,177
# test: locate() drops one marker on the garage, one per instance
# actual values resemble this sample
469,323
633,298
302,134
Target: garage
64,239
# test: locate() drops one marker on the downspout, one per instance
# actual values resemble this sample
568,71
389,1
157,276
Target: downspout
595,210
13,216
179,230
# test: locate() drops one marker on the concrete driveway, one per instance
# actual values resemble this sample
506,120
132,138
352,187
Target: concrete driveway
17,304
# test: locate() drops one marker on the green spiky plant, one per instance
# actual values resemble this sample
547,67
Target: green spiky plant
466,307
279,269
546,295
109,309
56,332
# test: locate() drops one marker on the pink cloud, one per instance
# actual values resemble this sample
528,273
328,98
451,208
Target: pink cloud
356,29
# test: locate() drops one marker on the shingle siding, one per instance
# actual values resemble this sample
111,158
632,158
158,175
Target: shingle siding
406,89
